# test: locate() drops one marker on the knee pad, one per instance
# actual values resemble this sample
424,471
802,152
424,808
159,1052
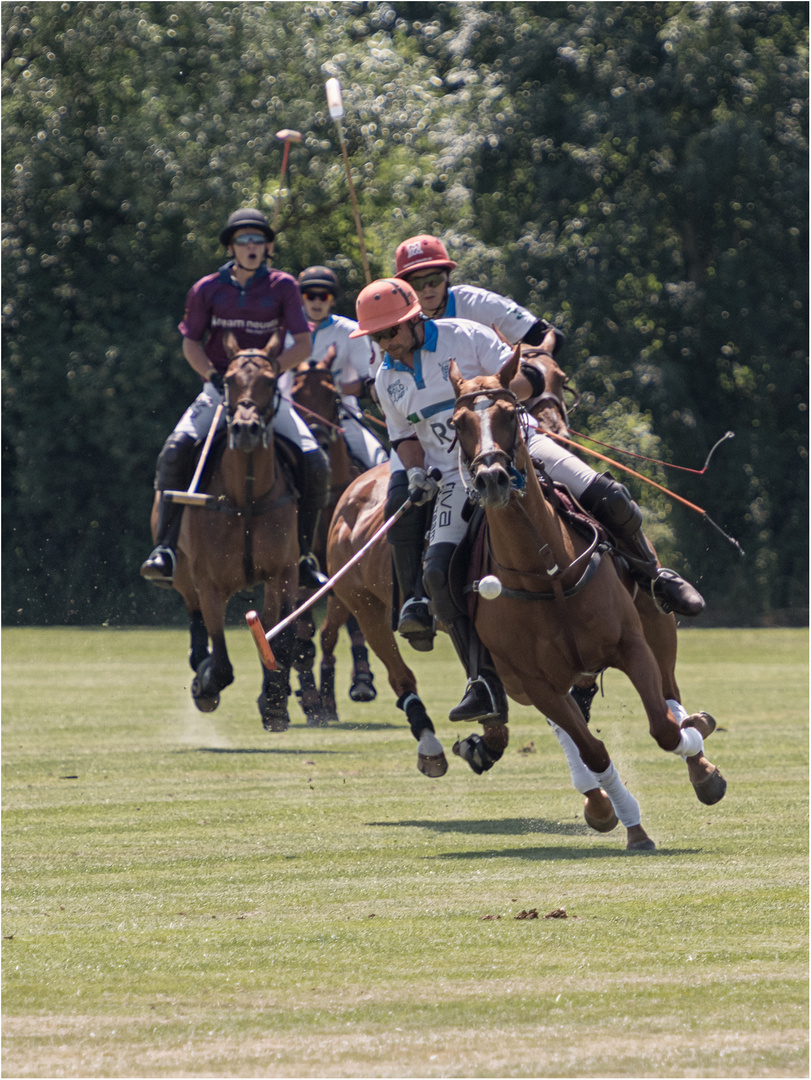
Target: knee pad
317,476
612,505
413,525
175,461
436,579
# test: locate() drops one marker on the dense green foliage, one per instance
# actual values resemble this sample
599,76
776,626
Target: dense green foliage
636,171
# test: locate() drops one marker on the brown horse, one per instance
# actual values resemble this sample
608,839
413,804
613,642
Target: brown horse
562,609
318,402
241,533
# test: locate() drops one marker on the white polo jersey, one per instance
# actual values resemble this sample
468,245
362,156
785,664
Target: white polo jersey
421,402
489,309
355,358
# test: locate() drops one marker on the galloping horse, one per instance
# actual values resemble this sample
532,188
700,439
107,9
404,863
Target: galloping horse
241,533
367,591
317,399
568,609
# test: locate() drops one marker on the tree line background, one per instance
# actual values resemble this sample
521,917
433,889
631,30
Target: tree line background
635,172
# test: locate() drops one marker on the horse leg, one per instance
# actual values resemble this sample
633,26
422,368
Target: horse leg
335,618
481,752
363,685
374,621
198,648
303,658
669,724
272,701
214,672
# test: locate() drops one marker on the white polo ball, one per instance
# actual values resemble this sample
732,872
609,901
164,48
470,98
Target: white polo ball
490,587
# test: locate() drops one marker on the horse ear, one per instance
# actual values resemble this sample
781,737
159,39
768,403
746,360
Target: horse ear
509,370
326,363
230,344
456,377
273,345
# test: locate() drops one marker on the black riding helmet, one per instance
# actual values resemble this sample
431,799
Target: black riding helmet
246,218
319,277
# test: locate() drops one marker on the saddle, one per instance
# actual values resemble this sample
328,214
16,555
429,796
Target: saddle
288,456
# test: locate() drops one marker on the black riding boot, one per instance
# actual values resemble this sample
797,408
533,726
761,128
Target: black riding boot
174,471
611,504
407,540
314,498
484,699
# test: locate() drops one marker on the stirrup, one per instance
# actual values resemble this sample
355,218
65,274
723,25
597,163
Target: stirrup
485,710
160,567
309,573
683,599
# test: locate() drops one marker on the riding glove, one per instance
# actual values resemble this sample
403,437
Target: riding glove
421,486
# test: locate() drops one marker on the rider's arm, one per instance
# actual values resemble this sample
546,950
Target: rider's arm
295,353
196,356
411,453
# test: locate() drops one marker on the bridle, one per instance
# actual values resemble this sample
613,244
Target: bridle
479,401
265,414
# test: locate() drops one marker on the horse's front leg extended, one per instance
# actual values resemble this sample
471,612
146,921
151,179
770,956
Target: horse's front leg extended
214,672
303,659
272,701
335,618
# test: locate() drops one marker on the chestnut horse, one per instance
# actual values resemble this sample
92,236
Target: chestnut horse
564,609
240,533
318,402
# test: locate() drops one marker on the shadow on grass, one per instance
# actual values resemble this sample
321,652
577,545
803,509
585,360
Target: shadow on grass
258,750
552,854
502,827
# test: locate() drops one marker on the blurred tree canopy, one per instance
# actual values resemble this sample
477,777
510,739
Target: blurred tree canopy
636,172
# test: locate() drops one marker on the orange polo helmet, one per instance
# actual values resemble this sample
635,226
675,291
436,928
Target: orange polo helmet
421,253
384,304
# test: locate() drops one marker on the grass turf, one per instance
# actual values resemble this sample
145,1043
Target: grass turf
187,895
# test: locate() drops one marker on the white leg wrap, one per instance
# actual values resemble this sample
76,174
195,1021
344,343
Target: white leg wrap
677,709
582,777
690,743
625,805
429,744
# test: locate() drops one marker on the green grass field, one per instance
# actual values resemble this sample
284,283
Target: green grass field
188,895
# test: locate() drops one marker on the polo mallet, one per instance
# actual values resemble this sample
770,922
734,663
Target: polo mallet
192,497
288,135
336,111
262,639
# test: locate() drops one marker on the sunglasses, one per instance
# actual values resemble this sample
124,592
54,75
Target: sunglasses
249,238
431,281
316,295
385,335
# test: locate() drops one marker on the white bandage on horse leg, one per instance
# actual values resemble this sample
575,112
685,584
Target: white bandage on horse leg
625,805
690,743
582,777
677,709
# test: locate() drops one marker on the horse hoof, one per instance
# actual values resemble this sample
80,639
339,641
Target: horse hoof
703,723
600,818
641,845
275,723
363,687
316,718
711,789
432,764
204,702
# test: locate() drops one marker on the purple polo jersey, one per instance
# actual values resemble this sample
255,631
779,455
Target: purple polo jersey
217,303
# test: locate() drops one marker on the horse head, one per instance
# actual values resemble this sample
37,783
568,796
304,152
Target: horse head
250,394
487,430
317,398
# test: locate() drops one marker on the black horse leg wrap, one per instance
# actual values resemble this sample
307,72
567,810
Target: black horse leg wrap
418,718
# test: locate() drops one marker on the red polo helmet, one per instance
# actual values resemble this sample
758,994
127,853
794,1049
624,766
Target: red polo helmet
421,253
384,304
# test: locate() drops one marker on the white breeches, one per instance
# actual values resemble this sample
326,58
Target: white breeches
196,420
